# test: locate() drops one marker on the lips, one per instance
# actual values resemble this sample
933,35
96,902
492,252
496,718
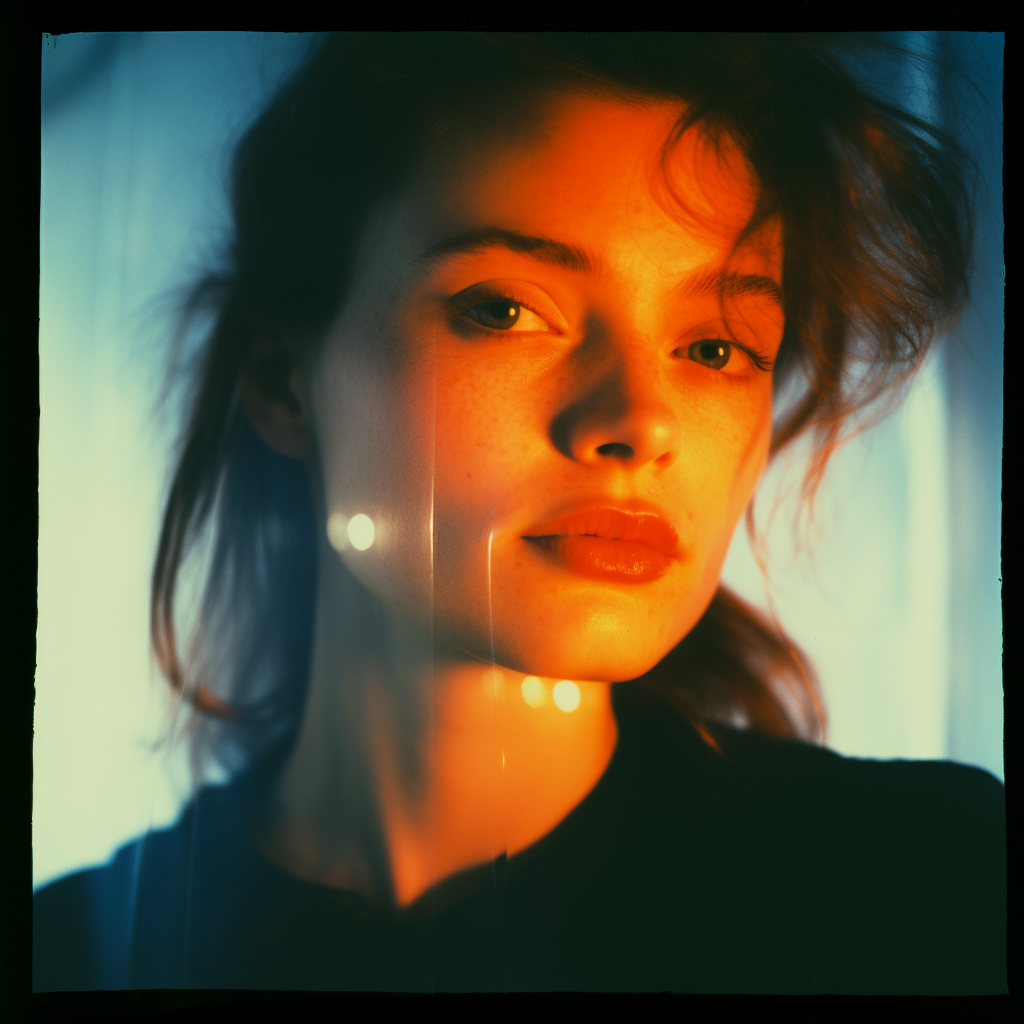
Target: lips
608,543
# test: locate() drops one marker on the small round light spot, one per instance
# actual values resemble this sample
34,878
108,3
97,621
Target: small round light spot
337,531
360,532
533,692
566,695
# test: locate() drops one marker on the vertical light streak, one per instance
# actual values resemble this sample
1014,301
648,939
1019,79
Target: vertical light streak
500,864
432,697
495,676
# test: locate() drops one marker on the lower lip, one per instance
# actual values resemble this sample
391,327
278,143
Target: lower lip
624,561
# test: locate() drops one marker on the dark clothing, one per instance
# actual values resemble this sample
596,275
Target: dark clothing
782,867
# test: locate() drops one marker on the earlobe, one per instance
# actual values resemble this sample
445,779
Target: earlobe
273,403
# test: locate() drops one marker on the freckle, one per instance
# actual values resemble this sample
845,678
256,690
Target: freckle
469,476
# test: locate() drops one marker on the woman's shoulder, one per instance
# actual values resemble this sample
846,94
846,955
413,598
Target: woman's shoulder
85,924
76,919
905,805
895,794
848,874
886,818
793,770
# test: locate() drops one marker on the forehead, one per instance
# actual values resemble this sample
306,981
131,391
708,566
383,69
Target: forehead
599,175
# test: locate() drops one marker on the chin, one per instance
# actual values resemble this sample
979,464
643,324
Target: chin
597,667
600,655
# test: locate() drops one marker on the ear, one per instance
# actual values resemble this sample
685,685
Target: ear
273,398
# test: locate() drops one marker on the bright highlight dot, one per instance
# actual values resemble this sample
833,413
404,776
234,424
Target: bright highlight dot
533,692
337,531
566,695
360,532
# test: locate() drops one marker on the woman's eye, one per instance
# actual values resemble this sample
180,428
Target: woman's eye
711,352
505,314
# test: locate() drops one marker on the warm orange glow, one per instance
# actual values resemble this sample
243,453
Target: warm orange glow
534,692
491,680
566,695
592,425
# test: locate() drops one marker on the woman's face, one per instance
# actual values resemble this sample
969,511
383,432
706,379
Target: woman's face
550,389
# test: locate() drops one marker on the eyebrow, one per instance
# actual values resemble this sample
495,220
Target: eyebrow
715,282
569,257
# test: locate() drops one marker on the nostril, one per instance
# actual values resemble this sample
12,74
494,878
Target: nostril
615,450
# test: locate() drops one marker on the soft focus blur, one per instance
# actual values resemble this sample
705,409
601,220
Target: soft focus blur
896,599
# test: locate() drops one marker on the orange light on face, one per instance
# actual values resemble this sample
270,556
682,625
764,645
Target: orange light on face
557,309
566,695
534,692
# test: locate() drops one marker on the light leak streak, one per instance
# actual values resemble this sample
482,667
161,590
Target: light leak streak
501,791
496,674
492,680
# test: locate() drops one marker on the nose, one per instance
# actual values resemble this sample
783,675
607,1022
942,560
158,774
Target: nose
625,416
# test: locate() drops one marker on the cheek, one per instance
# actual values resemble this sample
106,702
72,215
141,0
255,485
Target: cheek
488,434
754,439
491,454
374,423
733,454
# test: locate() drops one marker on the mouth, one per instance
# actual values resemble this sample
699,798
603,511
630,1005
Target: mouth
608,543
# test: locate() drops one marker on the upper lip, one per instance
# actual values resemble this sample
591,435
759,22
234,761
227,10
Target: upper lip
642,527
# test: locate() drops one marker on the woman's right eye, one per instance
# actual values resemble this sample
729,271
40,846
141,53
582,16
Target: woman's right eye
712,352
505,314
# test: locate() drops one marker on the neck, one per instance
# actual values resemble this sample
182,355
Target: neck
415,762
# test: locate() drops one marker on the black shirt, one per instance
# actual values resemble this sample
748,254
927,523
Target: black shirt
779,867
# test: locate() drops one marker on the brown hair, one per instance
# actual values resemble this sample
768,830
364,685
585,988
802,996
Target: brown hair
876,209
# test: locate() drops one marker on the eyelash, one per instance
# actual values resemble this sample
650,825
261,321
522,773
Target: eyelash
759,360
509,297
762,362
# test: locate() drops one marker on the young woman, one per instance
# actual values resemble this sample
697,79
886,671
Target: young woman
509,329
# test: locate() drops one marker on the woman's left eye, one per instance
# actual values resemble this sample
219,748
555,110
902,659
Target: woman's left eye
716,354
506,314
